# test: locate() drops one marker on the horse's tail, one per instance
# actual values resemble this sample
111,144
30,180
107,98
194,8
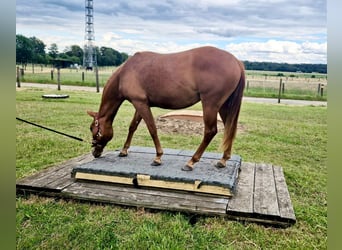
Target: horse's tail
232,109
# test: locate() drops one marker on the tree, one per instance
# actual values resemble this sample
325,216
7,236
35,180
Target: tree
24,50
124,57
53,51
32,50
38,50
75,52
110,57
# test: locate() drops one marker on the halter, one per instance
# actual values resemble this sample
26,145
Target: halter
97,124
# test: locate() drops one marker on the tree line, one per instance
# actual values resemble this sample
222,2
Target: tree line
33,50
286,67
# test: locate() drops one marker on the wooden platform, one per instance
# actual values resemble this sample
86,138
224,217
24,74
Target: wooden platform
136,170
261,193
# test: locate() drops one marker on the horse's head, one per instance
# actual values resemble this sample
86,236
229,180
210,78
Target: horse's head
102,134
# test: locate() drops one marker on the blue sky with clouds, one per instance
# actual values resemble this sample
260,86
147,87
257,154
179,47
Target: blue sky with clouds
292,31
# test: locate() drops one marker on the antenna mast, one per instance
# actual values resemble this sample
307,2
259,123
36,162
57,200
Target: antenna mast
89,55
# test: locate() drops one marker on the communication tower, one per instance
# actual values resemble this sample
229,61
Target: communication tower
89,55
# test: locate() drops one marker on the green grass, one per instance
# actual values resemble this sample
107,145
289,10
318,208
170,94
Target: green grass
293,137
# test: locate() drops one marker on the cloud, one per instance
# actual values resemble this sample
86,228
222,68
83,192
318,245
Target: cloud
280,51
130,25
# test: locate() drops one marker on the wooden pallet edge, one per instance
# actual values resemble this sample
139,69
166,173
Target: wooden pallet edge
149,198
261,219
51,169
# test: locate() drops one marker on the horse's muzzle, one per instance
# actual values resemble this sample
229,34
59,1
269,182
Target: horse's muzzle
97,149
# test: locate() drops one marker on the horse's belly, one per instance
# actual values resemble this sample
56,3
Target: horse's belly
172,100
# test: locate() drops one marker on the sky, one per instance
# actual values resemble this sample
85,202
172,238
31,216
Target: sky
285,31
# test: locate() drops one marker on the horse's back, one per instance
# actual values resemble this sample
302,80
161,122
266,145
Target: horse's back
207,59
178,80
214,65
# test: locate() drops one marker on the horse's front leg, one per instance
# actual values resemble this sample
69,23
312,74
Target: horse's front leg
210,130
144,110
132,128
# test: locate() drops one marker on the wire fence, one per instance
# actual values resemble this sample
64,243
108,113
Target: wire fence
303,86
288,88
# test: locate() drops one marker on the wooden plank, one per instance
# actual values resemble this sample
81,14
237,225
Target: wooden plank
284,200
60,180
265,220
265,195
146,181
105,178
42,180
156,199
53,177
242,201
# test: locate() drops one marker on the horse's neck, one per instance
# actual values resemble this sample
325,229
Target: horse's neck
110,103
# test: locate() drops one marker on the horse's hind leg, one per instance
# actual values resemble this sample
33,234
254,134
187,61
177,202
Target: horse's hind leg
228,147
226,154
144,110
210,130
132,128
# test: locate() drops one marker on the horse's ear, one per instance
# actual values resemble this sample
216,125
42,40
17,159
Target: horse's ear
92,114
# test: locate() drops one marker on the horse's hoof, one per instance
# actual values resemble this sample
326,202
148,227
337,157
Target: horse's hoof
220,165
156,163
122,154
187,168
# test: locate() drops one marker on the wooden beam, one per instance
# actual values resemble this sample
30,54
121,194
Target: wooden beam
265,194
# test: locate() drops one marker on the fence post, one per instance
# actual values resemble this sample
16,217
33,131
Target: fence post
283,88
52,75
247,85
322,89
280,85
58,78
97,79
18,77
83,77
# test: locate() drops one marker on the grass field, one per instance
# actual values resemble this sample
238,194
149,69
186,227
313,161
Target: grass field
301,86
293,137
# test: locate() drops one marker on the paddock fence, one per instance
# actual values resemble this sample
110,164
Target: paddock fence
284,85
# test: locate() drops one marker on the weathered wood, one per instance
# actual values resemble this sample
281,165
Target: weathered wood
284,200
156,199
265,195
243,198
261,193
54,176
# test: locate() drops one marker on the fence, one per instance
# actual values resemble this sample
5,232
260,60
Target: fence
287,87
66,76
258,83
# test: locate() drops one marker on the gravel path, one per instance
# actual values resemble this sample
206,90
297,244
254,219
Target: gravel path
246,99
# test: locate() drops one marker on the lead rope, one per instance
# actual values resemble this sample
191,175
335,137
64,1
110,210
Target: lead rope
52,130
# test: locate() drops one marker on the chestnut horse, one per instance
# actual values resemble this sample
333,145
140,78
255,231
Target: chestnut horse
173,81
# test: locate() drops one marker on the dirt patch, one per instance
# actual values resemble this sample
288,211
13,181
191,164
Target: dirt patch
187,126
